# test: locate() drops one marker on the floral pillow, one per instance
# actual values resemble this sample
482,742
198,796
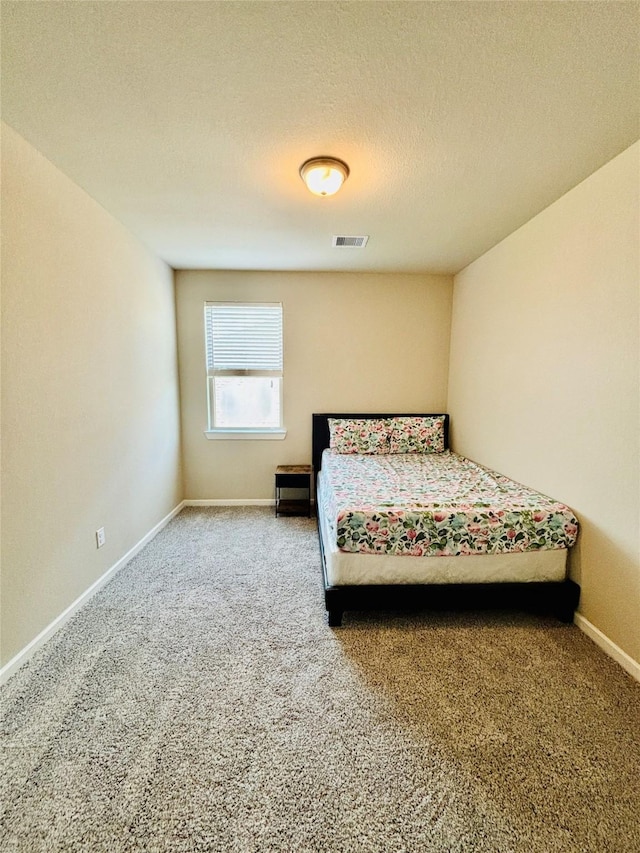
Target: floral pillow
359,435
416,435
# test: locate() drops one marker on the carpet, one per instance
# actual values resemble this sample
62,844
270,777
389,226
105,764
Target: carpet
199,702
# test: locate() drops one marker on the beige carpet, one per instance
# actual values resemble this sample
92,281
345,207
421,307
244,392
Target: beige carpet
200,703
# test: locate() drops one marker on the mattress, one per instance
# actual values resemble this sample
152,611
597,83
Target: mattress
437,504
353,569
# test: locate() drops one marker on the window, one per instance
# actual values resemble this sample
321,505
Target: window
244,369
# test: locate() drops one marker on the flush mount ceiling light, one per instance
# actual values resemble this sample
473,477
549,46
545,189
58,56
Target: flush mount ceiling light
324,175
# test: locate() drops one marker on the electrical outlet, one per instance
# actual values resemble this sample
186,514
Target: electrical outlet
100,537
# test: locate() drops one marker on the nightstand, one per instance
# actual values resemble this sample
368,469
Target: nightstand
293,478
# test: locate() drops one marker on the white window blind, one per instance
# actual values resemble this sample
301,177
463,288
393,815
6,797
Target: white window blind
244,366
243,338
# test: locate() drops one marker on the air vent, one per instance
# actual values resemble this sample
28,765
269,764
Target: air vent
349,242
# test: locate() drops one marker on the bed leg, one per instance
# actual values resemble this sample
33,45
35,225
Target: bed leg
334,618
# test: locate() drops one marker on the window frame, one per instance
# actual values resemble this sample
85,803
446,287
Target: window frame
267,355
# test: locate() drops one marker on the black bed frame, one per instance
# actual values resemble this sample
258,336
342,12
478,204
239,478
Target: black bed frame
557,597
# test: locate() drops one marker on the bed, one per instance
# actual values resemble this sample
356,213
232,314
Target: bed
405,522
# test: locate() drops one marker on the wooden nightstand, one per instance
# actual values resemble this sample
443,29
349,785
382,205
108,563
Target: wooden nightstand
298,478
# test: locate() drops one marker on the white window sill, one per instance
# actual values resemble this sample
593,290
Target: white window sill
245,434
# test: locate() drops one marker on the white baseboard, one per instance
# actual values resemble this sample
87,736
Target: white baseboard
23,656
626,661
232,502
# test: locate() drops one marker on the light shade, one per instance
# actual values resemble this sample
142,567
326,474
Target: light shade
324,175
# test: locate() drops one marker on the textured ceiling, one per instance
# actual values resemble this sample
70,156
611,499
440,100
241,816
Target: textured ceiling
188,120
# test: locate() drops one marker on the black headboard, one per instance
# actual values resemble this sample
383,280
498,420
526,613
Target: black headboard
320,428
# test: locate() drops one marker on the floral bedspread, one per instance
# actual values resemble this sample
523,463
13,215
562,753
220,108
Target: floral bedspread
437,504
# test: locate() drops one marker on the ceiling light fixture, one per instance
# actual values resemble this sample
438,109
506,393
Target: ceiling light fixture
324,175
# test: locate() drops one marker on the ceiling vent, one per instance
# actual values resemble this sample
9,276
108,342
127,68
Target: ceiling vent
349,242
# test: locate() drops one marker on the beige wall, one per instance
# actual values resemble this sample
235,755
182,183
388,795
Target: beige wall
544,377
90,423
352,342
